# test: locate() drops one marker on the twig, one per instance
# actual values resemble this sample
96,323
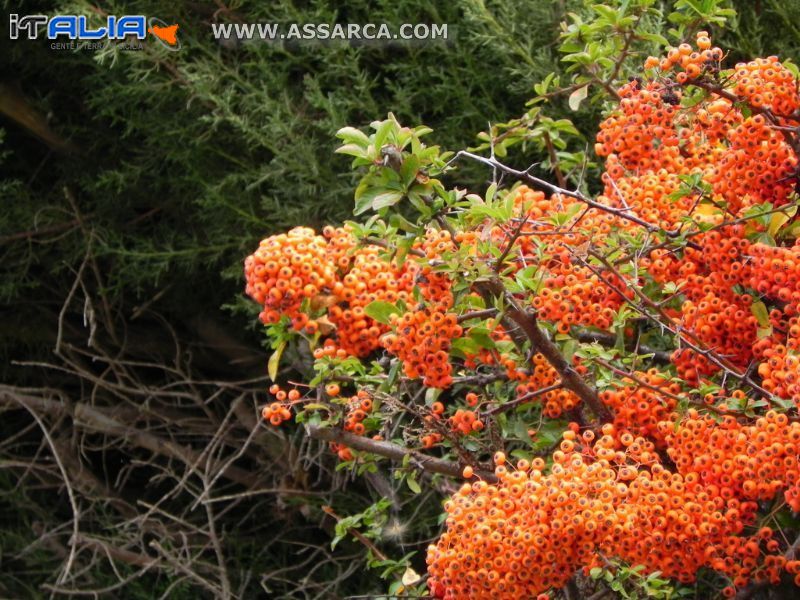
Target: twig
554,189
391,451
476,314
609,340
93,418
73,543
358,535
752,589
523,399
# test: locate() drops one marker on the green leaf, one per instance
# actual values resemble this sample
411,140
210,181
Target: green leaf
480,335
490,192
382,133
606,12
352,135
409,169
411,481
381,311
386,199
655,37
352,150
464,346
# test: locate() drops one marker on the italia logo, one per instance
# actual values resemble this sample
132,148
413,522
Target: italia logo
76,27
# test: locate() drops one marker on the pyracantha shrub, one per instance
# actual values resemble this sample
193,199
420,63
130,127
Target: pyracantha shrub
527,314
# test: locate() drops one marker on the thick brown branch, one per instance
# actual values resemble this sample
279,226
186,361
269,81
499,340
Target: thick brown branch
528,324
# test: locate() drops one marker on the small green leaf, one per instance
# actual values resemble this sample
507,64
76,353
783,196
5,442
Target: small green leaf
351,135
409,169
490,192
352,150
381,311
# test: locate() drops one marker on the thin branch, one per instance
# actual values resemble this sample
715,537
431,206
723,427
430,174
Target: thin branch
523,399
538,183
751,590
609,340
391,451
73,543
476,314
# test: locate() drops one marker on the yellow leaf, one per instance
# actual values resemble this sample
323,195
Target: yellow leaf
323,301
759,310
410,577
275,360
706,212
779,219
578,96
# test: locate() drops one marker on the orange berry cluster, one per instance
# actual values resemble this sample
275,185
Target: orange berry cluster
368,278
780,368
749,462
358,408
638,408
743,159
766,84
541,375
572,295
343,452
691,63
755,163
465,421
775,272
304,276
422,341
277,412
429,440
641,135
713,312
286,270
531,531
330,349
757,166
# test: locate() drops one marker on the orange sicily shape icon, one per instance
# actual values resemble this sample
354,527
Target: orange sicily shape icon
168,34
